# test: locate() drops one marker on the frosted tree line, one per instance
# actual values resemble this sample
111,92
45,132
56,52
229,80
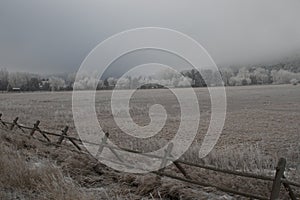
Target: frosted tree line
168,78
260,76
29,82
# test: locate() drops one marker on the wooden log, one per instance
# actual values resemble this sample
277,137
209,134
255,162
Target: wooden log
182,170
205,184
289,190
226,171
277,181
116,154
64,134
291,183
20,127
75,144
44,135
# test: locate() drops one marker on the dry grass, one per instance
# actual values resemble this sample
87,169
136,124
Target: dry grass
248,158
38,180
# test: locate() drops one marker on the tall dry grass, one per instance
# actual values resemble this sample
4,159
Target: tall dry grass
36,180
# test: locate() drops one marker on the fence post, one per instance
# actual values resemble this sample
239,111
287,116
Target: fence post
166,156
102,145
14,123
35,127
64,133
277,181
62,137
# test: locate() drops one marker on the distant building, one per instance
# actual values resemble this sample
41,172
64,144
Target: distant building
16,89
152,86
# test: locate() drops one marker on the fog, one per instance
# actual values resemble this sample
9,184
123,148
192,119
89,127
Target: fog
55,36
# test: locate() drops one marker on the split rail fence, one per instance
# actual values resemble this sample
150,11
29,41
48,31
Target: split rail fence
278,180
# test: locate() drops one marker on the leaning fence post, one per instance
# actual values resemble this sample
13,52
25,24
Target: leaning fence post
166,156
14,123
182,170
35,127
277,181
64,133
102,145
74,143
2,121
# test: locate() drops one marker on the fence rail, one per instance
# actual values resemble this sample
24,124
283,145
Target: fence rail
278,181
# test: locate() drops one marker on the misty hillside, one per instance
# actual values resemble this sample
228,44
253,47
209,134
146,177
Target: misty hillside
291,64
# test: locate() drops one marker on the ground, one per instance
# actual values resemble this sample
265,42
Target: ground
262,123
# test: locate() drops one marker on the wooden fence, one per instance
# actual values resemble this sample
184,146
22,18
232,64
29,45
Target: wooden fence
278,180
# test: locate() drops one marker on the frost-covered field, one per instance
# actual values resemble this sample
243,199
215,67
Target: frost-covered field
262,121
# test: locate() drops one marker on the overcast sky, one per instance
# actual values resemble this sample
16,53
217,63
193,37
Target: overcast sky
54,36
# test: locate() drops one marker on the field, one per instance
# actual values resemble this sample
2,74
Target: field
262,123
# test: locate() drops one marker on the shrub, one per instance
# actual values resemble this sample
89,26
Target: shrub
294,81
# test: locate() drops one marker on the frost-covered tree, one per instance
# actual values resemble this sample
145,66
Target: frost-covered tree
56,83
18,79
112,81
261,75
123,83
3,79
226,74
242,78
294,81
283,76
207,75
184,82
